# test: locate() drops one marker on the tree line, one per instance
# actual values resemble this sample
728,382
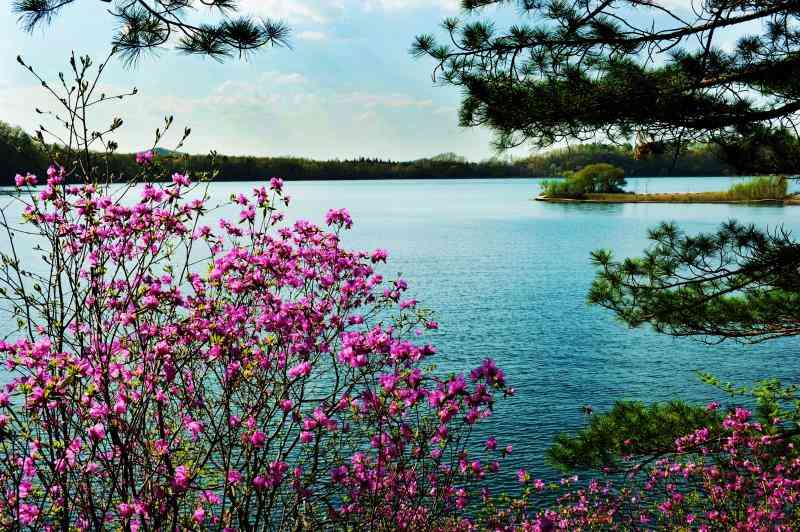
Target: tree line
21,151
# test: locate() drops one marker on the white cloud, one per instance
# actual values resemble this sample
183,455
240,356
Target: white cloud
446,110
251,117
237,94
295,11
282,78
684,5
323,11
391,101
445,5
312,36
305,99
263,93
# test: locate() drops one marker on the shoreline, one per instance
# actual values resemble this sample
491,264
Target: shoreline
686,198
10,184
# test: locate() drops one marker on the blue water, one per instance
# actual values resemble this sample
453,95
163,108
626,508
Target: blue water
508,278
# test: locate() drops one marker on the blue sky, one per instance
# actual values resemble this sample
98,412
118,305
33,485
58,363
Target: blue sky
347,88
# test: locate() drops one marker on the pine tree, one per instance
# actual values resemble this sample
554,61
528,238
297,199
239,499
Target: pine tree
145,25
576,69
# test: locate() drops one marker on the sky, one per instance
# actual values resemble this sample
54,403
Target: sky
347,88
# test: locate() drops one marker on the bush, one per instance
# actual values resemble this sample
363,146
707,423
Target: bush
562,188
167,375
595,178
736,475
603,178
759,188
257,376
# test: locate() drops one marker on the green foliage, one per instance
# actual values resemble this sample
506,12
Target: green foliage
632,433
773,399
602,178
145,25
762,150
297,168
449,157
564,188
740,283
758,188
18,152
630,428
699,160
593,178
572,69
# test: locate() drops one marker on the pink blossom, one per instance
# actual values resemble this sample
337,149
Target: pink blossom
28,513
195,427
181,179
340,217
257,439
144,158
301,370
182,477
97,432
379,255
189,340
23,180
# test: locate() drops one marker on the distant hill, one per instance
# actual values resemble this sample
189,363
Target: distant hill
164,152
695,161
20,153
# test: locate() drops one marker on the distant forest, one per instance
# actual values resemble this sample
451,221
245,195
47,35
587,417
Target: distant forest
19,152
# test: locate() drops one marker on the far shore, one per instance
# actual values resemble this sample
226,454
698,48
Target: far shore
668,197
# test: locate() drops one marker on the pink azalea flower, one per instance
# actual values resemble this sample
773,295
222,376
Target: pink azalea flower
301,370
97,432
144,158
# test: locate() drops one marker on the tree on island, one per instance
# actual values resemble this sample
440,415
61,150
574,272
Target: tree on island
599,178
622,69
145,25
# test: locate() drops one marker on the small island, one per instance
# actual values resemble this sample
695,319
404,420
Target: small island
603,183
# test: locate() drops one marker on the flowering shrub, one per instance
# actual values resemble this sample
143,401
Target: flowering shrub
165,374
743,475
254,375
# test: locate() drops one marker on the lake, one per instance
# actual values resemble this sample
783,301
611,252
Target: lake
508,279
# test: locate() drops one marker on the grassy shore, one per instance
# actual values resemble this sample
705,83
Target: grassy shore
670,197
764,189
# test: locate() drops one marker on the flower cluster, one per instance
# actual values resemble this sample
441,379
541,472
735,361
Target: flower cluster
255,375
145,158
743,475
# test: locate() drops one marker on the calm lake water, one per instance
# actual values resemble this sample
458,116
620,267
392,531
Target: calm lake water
508,279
